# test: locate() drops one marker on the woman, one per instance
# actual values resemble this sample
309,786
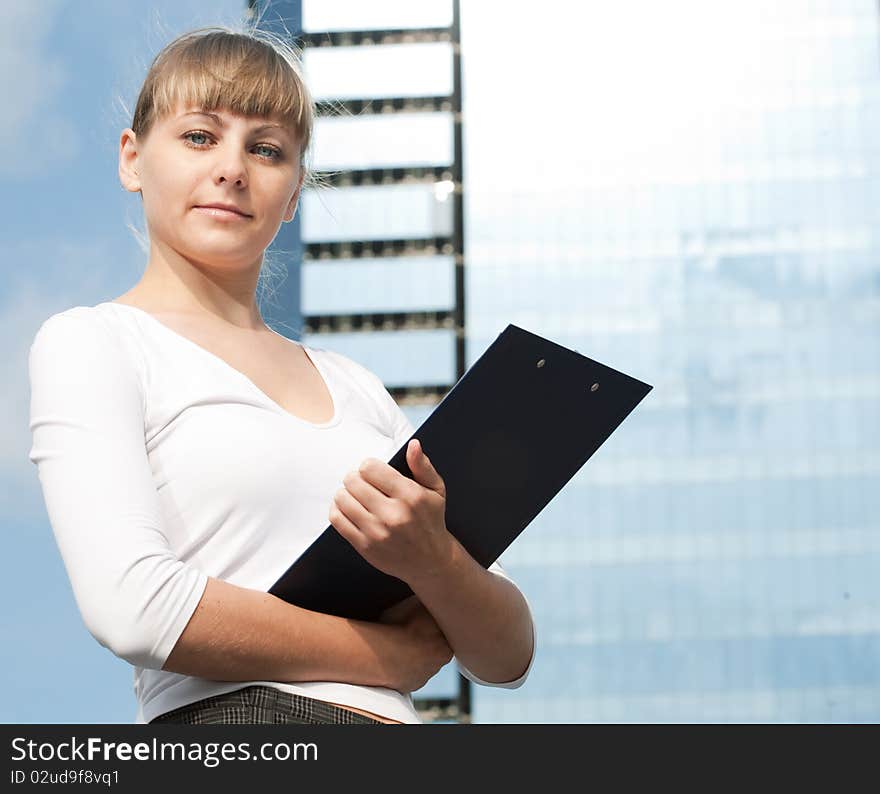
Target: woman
188,453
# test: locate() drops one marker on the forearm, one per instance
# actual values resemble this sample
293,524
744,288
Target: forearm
484,617
238,634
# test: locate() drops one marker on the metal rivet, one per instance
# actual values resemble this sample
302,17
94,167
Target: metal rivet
541,362
594,387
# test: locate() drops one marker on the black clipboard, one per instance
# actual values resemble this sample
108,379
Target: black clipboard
512,431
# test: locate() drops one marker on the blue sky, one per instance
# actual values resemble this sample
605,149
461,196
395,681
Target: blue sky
682,190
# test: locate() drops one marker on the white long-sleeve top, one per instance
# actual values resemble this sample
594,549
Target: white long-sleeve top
161,464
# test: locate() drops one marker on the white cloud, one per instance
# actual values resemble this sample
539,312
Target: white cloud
34,137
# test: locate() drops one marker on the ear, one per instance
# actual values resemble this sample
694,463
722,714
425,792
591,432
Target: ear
290,210
128,162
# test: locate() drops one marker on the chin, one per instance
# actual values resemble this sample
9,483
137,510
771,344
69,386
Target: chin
223,257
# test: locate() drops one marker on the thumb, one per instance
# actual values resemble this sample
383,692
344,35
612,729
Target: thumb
422,468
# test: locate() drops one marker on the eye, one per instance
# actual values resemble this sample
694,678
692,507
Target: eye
198,133
274,153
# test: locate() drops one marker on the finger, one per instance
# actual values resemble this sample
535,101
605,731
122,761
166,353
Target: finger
423,470
386,479
371,498
365,522
347,529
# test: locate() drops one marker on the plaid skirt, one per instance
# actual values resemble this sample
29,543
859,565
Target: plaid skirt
262,705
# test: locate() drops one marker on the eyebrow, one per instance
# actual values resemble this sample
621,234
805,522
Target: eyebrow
221,123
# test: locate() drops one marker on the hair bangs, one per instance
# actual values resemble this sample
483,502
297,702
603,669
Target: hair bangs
216,69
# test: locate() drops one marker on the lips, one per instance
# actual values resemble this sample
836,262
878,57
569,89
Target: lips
228,207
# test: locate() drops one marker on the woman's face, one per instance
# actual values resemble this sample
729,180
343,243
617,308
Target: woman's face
192,158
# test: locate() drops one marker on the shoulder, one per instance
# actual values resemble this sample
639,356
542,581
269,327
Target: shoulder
372,390
354,369
76,318
89,335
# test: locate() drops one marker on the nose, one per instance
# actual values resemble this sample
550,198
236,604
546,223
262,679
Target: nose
230,166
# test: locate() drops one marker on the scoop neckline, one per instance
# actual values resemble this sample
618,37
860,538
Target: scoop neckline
318,364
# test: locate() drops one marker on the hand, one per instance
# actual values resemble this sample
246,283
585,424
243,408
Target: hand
395,523
423,648
401,611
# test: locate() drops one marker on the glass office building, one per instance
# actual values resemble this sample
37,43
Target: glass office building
690,194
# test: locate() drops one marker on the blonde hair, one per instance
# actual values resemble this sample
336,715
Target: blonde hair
246,72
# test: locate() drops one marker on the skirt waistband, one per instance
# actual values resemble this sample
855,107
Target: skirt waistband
260,704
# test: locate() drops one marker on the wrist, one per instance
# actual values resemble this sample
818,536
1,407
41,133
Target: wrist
451,556
388,644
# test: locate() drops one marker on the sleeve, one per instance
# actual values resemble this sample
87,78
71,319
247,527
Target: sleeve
87,425
402,429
